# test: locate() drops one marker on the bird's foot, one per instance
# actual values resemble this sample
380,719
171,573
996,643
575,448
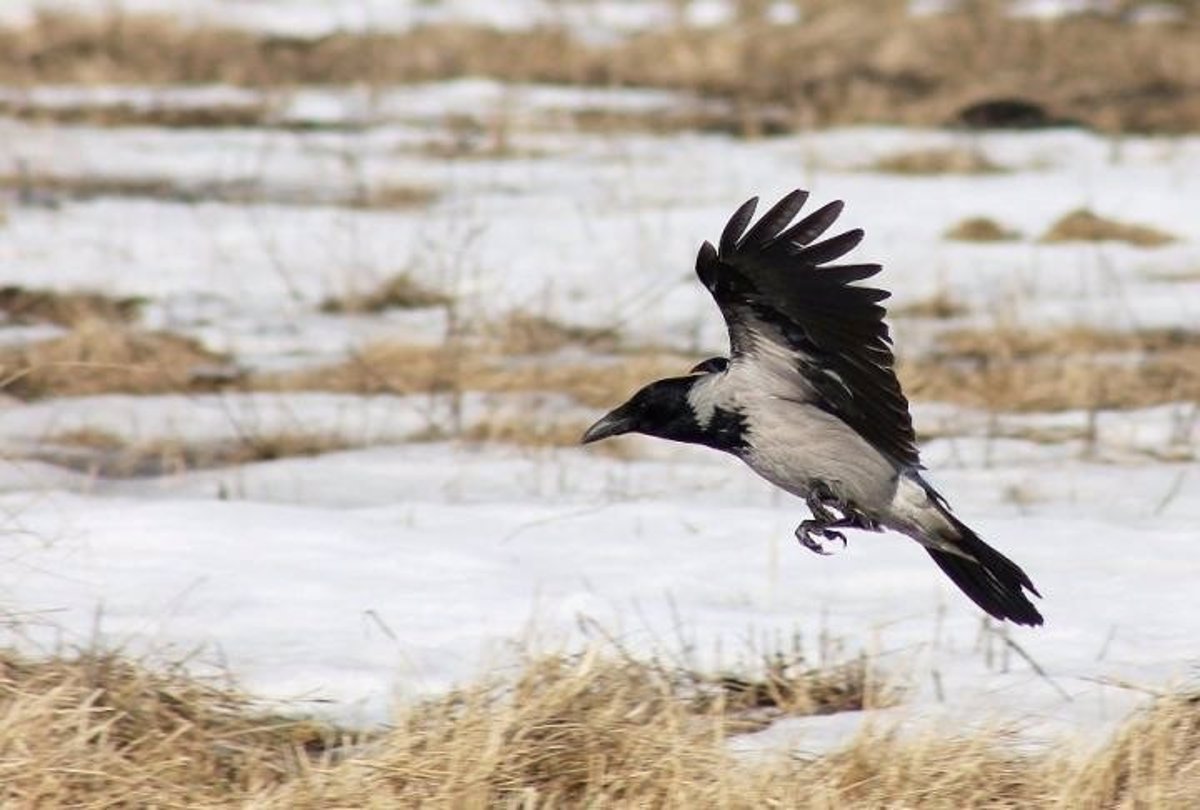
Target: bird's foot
805,534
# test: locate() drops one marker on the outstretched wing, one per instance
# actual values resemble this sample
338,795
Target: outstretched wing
802,320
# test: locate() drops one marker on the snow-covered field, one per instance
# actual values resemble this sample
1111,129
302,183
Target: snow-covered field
358,576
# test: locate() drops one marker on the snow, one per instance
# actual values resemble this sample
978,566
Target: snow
355,576
339,582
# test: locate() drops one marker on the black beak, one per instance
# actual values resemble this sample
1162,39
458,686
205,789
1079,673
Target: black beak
614,424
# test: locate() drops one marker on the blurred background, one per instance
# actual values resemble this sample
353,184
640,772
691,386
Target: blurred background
304,305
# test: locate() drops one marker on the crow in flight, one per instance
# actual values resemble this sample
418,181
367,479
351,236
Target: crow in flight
809,399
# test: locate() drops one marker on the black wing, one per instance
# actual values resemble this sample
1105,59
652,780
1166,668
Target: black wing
781,299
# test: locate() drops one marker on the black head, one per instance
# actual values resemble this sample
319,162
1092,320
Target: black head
662,409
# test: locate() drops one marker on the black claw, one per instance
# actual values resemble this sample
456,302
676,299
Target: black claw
804,533
830,534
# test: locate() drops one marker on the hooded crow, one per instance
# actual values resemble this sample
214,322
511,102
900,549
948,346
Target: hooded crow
809,399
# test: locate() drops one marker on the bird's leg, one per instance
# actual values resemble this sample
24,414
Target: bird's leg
825,523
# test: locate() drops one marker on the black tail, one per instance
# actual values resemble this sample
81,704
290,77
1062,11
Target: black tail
994,583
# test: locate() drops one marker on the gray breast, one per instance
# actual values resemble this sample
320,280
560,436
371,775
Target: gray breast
793,444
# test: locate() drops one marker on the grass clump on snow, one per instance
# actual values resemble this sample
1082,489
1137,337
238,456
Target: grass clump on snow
97,357
939,306
1070,368
31,305
589,730
1085,226
981,229
98,730
456,367
936,161
400,291
99,452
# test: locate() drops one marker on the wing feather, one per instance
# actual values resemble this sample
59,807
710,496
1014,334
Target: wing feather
769,226
736,226
814,224
774,287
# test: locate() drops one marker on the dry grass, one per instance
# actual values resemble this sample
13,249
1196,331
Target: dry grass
51,189
1052,370
981,229
100,453
525,333
400,291
213,116
1154,761
98,357
1084,226
27,305
97,730
940,306
589,731
936,161
864,62
388,368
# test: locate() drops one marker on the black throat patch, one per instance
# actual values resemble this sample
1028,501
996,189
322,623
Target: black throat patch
726,431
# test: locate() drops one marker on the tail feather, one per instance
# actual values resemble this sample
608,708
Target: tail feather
991,580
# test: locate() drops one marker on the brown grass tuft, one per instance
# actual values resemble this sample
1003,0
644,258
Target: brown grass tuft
214,116
1084,226
53,189
101,358
400,291
1154,761
524,333
941,306
97,730
100,453
25,305
1052,370
981,229
389,368
589,730
790,686
936,161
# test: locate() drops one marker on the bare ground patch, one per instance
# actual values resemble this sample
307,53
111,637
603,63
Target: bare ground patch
1085,226
868,62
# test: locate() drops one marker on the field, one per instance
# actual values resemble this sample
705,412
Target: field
302,316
